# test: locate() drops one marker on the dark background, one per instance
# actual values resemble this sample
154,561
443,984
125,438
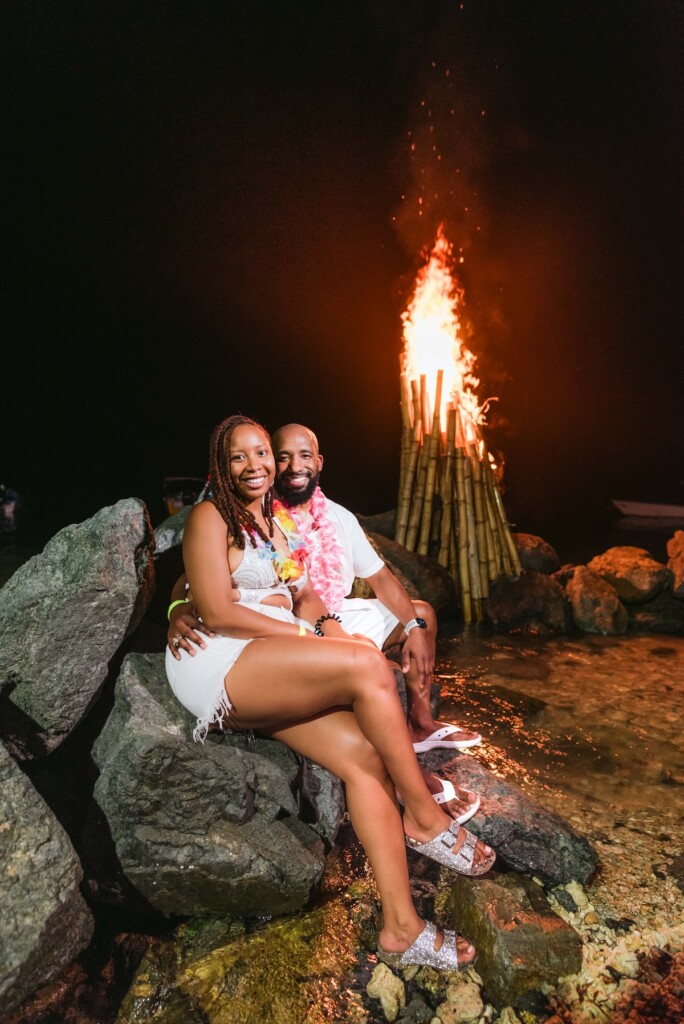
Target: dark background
204,215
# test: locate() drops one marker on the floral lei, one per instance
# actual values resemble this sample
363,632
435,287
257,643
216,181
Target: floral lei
289,568
325,554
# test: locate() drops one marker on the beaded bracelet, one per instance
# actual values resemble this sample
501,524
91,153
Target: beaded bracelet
181,600
317,628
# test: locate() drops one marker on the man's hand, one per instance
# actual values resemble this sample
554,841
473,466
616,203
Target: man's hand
417,649
185,629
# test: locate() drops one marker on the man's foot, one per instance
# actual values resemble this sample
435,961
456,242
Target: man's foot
459,804
444,736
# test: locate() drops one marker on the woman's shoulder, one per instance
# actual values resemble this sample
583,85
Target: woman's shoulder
205,518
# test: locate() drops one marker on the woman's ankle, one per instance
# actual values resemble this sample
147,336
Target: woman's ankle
396,937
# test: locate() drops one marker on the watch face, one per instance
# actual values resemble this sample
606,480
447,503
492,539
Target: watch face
422,623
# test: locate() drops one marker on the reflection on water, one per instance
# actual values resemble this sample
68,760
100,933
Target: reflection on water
592,728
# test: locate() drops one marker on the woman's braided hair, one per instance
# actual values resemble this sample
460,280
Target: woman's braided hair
225,494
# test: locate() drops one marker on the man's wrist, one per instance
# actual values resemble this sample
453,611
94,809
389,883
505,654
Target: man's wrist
415,623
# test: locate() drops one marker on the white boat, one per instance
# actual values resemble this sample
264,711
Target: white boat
649,510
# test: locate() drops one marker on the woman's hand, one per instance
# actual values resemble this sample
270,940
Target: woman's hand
185,629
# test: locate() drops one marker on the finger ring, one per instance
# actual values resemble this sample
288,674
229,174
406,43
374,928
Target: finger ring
176,641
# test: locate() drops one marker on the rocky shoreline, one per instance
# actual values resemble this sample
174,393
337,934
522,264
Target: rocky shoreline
83,689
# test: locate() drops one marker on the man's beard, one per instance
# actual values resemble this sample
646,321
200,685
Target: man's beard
295,496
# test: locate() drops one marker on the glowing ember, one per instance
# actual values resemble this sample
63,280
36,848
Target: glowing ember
432,340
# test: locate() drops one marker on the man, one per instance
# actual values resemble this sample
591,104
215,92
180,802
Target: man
340,551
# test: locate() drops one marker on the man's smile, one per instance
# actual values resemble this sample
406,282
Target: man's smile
296,479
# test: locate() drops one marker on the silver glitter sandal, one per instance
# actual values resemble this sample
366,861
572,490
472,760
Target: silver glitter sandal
441,849
423,952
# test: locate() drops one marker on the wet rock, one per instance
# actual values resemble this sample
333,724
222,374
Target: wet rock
527,838
416,1011
635,575
565,899
193,829
389,989
428,578
383,523
675,562
463,1002
169,533
536,554
509,1016
522,944
596,607
664,614
530,604
45,922
64,615
275,973
322,801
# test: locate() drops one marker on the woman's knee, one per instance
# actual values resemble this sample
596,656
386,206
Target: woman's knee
373,669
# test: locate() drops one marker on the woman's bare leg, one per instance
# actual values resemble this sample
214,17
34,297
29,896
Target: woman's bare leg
281,681
335,740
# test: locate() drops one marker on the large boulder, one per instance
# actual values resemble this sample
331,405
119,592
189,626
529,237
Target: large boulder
45,922
596,607
428,579
636,576
535,553
664,614
197,829
527,838
64,615
522,943
531,604
675,562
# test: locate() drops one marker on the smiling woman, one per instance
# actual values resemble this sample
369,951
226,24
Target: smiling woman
328,696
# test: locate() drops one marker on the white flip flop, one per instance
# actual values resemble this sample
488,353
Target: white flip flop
440,738
449,793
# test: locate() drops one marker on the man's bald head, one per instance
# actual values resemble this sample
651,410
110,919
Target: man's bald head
294,433
298,463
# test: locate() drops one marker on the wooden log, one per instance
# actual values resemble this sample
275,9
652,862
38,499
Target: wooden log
447,490
463,574
480,531
431,471
404,506
492,568
508,536
509,543
473,560
406,432
417,498
504,564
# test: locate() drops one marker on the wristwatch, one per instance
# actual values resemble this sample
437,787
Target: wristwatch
421,623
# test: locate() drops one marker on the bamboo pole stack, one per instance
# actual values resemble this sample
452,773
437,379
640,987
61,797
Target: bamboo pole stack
449,503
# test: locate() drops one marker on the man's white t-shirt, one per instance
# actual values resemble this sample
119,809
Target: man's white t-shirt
359,558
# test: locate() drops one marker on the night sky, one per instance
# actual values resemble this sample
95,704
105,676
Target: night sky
204,215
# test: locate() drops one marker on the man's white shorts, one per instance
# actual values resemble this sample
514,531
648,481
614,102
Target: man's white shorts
369,618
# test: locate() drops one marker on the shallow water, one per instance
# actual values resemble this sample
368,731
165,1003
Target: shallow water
592,728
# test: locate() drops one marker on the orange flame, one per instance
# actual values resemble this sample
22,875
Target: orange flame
432,340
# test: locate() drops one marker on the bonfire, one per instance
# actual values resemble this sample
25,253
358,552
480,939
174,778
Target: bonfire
449,501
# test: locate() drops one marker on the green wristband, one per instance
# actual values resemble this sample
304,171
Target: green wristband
181,600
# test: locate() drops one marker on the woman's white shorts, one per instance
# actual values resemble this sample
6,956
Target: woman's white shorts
198,682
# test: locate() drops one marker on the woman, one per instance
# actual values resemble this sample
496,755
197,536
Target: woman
333,700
